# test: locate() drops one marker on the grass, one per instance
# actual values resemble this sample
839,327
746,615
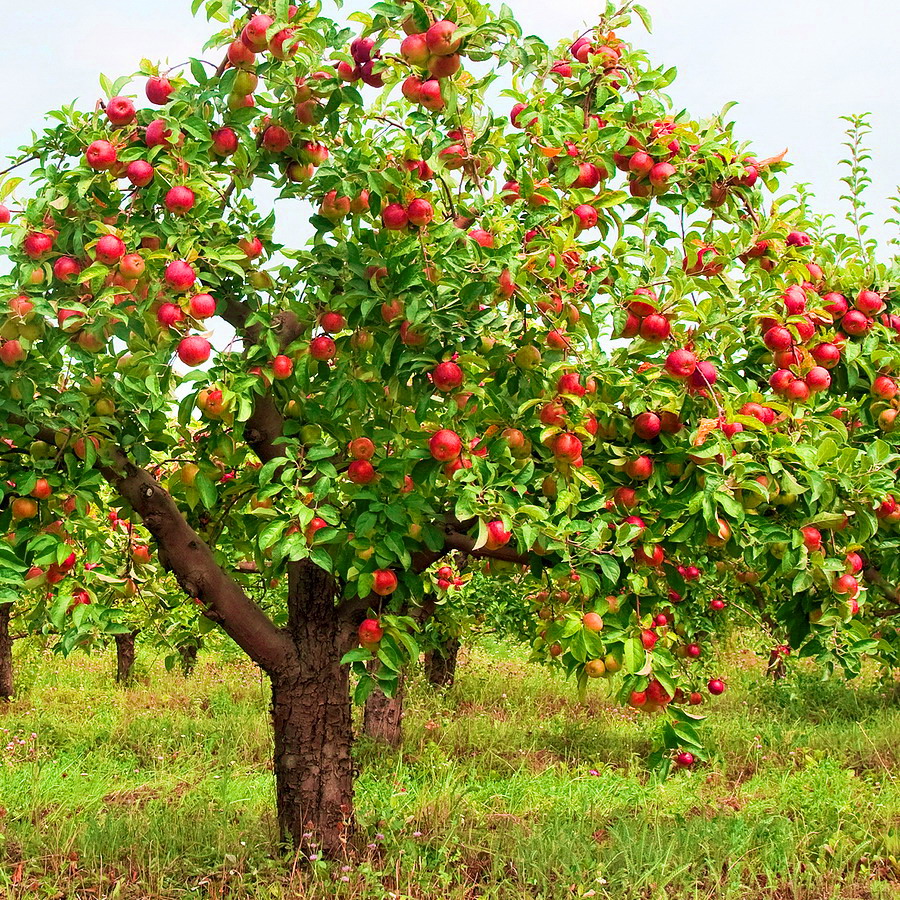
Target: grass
506,787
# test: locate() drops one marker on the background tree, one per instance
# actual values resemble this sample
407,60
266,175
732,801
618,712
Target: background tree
434,372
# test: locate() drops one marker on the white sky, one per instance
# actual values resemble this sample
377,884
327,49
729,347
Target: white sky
794,66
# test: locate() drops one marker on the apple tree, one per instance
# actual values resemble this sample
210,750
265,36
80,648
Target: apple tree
576,337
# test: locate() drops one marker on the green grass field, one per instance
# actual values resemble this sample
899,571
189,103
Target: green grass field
506,787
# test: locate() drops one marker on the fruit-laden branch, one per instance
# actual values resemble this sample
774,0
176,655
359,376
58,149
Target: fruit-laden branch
187,556
455,538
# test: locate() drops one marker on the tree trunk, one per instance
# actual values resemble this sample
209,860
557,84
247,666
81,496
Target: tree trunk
124,657
383,715
188,654
6,645
311,717
440,665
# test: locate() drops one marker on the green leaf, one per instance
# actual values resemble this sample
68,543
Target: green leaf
206,489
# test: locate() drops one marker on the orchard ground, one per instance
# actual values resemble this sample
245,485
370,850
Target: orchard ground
506,787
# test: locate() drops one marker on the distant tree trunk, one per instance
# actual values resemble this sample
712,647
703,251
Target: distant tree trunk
188,654
440,665
6,645
124,657
383,715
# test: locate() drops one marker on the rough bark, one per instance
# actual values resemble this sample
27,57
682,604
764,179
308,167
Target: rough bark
311,717
188,654
440,665
383,715
125,654
6,645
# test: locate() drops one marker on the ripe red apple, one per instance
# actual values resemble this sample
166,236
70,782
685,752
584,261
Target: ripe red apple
110,249
224,141
120,111
420,212
717,605
655,328
414,49
159,89
332,322
498,536
660,174
101,156
589,176
585,217
685,760
869,302
681,363
835,304
157,134
884,388
812,538
444,66
394,217
440,38
430,95
845,584
794,300
202,306
445,445
481,237
567,447
194,350
5,215
778,338
856,323
240,55
11,352
140,173
649,639
384,582
180,275
818,379
592,621
557,340
447,376
361,448
716,686
705,375
322,348
640,468
276,139
361,471
647,426
826,354
180,200
254,34
391,310
282,367
412,89
370,632
169,314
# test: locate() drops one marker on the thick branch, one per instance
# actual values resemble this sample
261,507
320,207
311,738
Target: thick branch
184,553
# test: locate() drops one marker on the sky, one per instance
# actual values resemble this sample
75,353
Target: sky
793,67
